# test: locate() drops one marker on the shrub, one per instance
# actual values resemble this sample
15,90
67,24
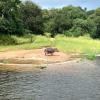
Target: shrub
47,34
74,32
7,40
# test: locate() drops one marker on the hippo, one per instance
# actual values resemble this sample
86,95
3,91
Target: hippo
50,50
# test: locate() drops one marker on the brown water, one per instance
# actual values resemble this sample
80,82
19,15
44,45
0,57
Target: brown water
68,81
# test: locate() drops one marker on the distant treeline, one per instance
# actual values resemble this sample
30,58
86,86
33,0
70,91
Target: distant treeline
21,18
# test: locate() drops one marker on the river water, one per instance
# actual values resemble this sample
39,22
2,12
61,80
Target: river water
73,80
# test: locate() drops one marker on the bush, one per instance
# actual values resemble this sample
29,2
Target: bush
26,31
74,32
27,38
7,40
47,34
30,37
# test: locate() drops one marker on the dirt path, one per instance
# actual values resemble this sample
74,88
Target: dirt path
34,54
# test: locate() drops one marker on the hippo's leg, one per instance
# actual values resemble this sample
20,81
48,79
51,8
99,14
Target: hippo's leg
45,53
51,54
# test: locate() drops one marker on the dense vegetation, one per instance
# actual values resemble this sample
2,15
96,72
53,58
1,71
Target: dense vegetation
22,18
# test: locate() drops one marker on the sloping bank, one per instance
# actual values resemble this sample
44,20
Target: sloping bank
27,59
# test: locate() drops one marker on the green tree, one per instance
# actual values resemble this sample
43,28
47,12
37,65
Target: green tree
10,21
81,27
90,12
32,17
74,12
96,18
61,20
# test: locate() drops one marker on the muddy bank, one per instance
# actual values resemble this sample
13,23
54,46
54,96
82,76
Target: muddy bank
36,56
28,60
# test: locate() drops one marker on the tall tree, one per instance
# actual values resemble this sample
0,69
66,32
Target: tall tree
10,22
32,17
60,20
96,18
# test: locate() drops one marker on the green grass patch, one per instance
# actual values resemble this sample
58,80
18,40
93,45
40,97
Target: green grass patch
25,43
82,45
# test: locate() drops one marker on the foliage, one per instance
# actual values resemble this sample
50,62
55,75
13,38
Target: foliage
17,17
10,20
60,20
32,17
96,18
20,18
90,12
7,40
74,32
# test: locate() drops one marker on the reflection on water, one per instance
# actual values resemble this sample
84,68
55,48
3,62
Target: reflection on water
68,81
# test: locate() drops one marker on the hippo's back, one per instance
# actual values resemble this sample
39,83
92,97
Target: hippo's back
49,50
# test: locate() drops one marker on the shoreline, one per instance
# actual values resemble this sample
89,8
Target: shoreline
34,56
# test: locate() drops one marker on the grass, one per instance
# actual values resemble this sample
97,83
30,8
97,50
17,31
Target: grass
23,43
81,45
